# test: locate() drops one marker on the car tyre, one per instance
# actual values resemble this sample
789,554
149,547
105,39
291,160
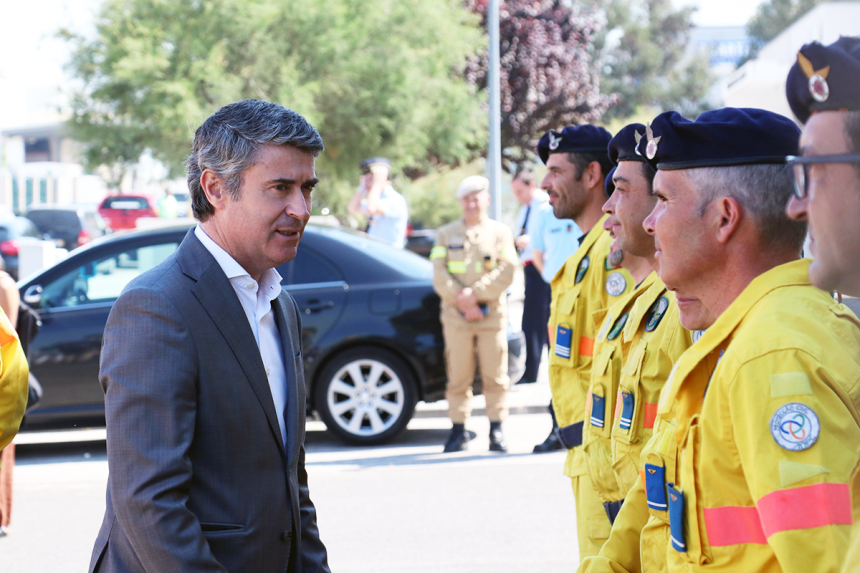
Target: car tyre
365,395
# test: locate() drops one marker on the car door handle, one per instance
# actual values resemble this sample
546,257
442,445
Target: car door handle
316,305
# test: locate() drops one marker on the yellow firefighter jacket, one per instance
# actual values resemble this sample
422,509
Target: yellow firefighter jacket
582,290
14,374
481,257
637,345
769,444
639,540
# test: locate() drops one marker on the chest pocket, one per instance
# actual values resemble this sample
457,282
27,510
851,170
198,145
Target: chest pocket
691,511
629,416
659,456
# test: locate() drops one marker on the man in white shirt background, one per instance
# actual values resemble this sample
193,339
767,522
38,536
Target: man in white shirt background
537,291
375,199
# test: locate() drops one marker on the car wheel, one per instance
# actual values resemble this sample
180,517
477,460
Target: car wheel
365,395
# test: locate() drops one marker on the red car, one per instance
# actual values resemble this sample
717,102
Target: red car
123,211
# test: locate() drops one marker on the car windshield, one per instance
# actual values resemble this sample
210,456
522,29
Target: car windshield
125,203
402,260
54,220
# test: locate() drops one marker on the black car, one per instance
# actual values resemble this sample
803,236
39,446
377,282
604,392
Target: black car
370,326
70,226
12,230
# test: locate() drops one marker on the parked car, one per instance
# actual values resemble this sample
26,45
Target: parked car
369,312
123,211
12,230
70,226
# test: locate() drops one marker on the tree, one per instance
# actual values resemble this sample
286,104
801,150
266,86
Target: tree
376,77
548,77
643,58
772,17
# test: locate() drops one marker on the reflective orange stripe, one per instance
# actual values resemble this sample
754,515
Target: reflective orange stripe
642,475
805,507
549,334
586,346
649,414
7,332
733,525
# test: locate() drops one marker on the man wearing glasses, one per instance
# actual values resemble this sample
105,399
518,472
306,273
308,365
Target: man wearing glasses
823,90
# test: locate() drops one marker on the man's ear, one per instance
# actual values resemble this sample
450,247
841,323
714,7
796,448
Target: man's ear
593,175
728,212
213,186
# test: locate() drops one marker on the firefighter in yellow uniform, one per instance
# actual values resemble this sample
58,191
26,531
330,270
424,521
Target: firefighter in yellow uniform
770,439
582,290
824,94
14,374
640,338
473,264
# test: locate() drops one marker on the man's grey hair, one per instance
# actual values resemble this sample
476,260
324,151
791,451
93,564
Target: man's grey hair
230,140
763,191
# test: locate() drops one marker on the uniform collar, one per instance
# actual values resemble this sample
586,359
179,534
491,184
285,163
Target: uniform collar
795,273
648,292
568,269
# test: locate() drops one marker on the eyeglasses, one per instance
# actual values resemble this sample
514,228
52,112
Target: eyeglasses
801,166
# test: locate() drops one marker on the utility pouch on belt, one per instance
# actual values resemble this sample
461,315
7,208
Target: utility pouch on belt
562,342
655,487
571,436
676,518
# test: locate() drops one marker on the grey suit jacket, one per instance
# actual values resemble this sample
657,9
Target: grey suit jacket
199,477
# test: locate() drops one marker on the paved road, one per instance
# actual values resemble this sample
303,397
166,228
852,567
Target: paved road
403,507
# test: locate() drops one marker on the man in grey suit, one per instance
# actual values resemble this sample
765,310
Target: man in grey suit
202,370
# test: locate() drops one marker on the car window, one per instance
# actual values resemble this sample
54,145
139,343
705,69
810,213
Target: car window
125,203
26,228
102,280
55,220
309,267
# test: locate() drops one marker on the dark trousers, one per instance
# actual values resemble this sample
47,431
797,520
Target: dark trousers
538,296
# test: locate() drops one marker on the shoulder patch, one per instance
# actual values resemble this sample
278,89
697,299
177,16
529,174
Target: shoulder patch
655,313
795,427
580,270
617,327
616,284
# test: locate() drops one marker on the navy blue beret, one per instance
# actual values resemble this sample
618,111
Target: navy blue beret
718,138
581,138
623,145
608,183
825,78
365,165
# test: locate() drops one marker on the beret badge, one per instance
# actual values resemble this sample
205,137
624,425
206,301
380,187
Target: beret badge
818,88
651,148
554,140
638,137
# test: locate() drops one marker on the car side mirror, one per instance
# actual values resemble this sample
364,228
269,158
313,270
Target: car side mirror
33,295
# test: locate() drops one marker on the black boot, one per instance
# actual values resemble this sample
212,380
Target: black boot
497,438
552,441
458,439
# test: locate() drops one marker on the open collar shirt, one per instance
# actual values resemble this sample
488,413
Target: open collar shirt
256,300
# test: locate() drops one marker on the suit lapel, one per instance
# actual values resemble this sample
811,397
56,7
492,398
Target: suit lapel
217,296
295,386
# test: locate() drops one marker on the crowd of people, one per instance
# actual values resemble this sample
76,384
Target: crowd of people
705,382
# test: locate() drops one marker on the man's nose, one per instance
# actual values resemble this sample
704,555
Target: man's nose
797,209
297,207
650,221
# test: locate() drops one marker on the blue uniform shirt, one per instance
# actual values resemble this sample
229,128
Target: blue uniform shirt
557,238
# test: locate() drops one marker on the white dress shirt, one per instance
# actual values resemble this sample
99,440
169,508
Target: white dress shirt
256,301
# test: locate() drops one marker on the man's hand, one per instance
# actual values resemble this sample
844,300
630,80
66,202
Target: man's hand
522,242
466,299
473,314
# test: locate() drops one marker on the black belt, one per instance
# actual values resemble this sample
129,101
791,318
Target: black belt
571,436
612,508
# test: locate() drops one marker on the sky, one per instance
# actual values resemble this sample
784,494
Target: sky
32,58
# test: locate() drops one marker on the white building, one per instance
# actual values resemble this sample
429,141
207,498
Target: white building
761,82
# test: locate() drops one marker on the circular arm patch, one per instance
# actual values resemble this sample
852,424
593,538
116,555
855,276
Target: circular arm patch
795,427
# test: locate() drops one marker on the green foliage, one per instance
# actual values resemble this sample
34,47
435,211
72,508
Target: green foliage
431,198
644,61
376,77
